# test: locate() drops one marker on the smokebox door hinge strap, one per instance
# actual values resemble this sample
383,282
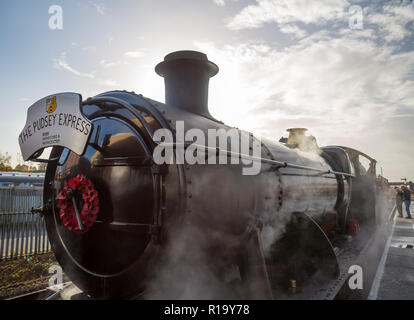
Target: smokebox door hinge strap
158,172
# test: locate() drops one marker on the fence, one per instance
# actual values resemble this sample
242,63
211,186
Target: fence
20,199
21,232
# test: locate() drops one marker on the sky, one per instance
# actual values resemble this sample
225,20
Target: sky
343,69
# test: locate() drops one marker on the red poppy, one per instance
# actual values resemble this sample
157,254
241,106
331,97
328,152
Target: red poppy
82,186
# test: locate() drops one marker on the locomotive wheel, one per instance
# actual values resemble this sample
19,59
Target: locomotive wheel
253,269
302,259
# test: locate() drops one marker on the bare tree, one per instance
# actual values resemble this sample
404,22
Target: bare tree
5,162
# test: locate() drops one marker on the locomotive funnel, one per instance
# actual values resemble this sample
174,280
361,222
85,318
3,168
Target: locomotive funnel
186,76
296,135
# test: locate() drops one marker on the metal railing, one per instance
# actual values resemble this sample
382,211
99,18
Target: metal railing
17,199
21,232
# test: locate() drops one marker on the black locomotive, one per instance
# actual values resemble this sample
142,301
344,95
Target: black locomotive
199,230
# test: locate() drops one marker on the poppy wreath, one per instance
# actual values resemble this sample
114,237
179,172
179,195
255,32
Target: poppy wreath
83,186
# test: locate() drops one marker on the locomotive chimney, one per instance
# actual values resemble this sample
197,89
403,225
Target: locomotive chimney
186,76
298,139
296,135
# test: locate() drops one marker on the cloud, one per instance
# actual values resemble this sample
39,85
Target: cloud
333,73
61,63
395,22
106,64
89,48
134,54
126,59
22,99
349,87
100,8
387,22
108,82
294,30
220,3
340,87
288,11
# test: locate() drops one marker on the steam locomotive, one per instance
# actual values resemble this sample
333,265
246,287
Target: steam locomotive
123,226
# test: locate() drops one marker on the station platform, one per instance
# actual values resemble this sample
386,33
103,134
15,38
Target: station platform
395,274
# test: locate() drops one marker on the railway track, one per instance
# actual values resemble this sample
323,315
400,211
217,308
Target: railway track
48,293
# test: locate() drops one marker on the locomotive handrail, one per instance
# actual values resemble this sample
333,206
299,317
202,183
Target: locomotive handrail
280,164
149,107
126,105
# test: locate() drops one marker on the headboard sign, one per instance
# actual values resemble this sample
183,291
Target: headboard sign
55,120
